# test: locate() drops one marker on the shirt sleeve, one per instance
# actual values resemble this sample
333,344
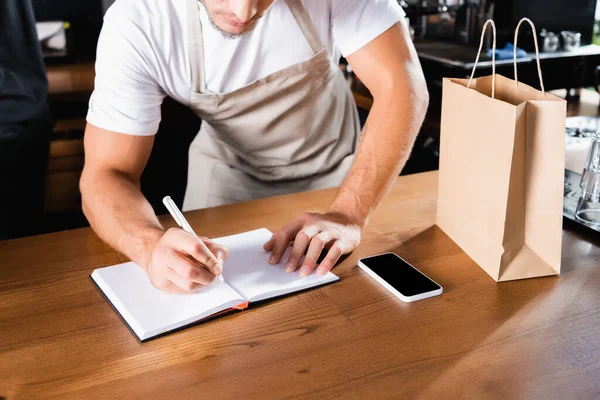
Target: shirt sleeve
358,22
126,97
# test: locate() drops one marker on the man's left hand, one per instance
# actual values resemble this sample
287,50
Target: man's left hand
312,233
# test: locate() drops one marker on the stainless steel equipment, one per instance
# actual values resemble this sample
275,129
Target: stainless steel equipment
571,40
550,41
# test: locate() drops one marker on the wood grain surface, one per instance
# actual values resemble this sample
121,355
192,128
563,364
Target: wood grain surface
70,78
537,338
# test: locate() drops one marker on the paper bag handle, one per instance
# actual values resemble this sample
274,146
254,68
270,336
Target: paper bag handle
488,22
537,54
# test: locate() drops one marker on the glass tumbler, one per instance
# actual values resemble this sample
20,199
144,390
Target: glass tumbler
588,207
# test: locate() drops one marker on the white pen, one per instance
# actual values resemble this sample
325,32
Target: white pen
182,222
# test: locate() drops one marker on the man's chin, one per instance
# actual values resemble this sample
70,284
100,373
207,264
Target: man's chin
239,30
229,31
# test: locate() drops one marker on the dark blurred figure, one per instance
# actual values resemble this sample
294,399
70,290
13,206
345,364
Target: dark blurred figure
25,123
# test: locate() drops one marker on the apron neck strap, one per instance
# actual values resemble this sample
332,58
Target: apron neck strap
306,26
196,46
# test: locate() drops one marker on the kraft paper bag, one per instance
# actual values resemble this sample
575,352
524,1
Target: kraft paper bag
501,173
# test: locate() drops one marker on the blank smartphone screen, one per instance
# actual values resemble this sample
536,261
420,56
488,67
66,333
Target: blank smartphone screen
399,274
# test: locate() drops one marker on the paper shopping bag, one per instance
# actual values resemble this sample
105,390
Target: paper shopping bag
501,174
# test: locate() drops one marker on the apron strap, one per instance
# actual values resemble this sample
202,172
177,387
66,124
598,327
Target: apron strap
303,20
196,46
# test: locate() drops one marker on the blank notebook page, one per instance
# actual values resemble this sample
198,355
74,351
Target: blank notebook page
150,312
248,271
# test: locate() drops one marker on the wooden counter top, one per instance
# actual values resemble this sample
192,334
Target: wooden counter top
539,338
71,78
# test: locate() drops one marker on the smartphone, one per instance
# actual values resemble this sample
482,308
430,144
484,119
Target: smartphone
399,277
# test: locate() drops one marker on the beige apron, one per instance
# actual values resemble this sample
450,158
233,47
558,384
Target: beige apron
293,131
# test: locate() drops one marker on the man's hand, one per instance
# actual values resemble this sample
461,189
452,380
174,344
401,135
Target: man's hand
182,263
315,232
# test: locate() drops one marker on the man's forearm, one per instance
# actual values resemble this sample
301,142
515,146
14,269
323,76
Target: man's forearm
120,214
385,145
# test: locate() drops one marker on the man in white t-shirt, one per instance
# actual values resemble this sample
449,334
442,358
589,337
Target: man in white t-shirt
278,117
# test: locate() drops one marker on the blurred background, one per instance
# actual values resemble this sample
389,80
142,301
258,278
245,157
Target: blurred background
47,50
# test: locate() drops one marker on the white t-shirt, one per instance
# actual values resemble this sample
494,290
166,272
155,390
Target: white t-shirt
143,53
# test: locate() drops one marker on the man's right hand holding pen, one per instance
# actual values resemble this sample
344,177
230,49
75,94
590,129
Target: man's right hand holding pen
183,263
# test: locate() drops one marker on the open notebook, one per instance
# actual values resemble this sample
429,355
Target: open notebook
248,276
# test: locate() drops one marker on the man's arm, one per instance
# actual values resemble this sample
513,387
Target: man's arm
121,216
390,69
